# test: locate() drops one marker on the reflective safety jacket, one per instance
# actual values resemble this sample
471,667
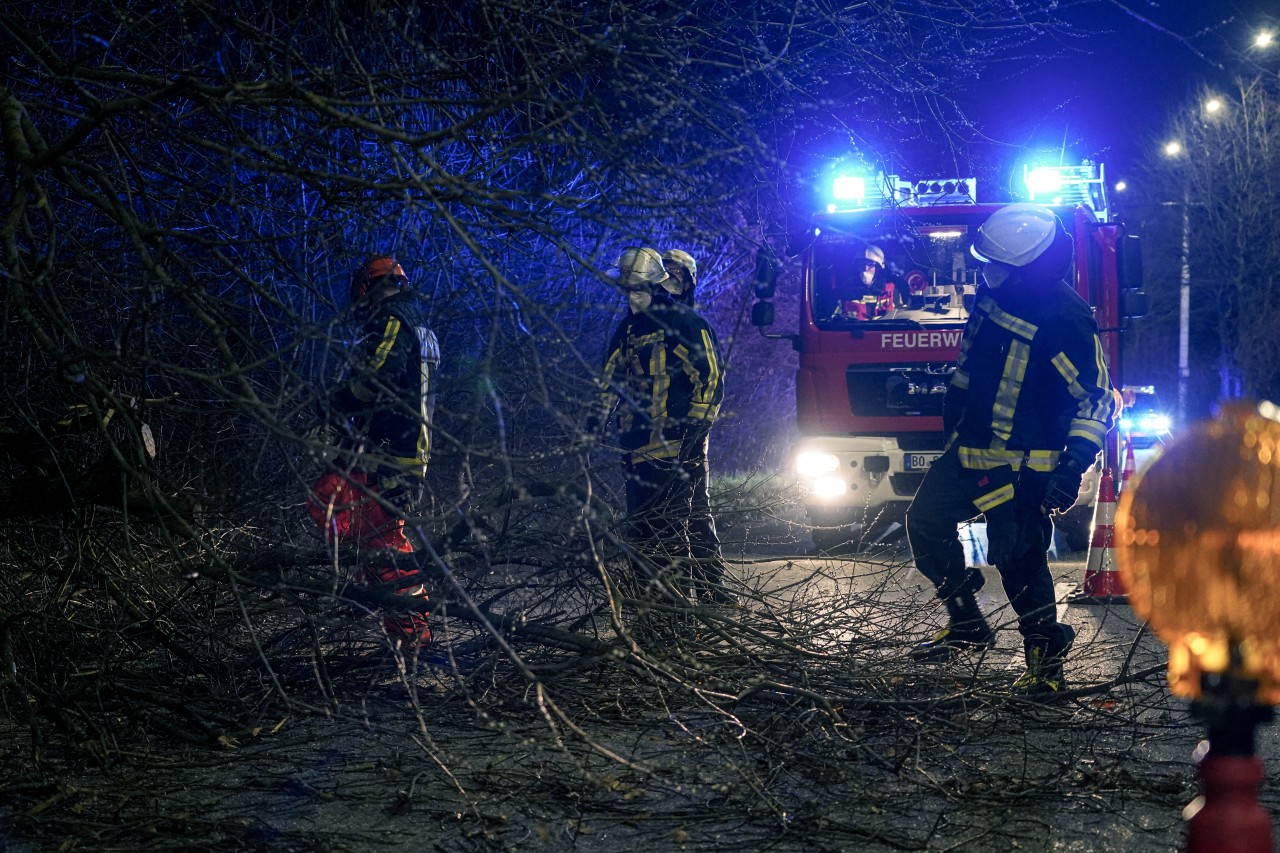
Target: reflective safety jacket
387,398
1031,381
662,372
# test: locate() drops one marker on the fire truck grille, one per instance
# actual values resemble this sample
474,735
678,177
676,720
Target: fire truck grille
906,485
880,391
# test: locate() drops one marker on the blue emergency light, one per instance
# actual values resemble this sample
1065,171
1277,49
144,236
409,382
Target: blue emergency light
1067,185
1042,181
849,188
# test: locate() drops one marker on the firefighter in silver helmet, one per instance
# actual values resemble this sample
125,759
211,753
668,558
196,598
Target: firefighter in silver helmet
704,541
661,386
1026,412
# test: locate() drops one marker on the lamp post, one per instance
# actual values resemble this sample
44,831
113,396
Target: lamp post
1198,549
1173,149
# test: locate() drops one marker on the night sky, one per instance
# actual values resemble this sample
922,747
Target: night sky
1109,96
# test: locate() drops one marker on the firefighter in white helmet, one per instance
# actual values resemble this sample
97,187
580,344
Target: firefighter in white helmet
661,386
870,294
704,541
1026,412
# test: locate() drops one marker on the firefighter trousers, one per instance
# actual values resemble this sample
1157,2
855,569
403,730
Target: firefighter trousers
704,542
1018,536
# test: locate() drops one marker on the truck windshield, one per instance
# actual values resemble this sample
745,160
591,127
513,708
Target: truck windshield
893,268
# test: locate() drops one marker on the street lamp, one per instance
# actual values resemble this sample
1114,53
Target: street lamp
1198,549
1173,149
1264,39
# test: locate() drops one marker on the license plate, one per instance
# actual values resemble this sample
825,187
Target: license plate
920,461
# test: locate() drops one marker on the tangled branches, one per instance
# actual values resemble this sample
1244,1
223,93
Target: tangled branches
186,661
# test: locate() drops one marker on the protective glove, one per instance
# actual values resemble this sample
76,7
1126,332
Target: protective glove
1064,486
322,441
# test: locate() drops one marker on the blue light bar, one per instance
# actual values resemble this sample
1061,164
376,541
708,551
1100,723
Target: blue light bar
849,188
1067,185
1042,181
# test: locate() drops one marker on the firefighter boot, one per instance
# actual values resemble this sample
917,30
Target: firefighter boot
408,629
966,630
1045,656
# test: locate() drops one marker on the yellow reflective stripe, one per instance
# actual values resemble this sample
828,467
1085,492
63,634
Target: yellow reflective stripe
1017,325
991,500
660,449
690,369
1092,412
986,458
388,341
416,465
1006,402
661,381
960,379
703,411
424,389
713,368
607,396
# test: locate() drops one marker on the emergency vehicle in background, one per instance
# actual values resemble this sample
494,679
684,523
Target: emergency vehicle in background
870,384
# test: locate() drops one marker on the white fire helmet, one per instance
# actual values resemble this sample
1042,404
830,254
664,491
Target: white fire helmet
876,254
640,266
685,261
1016,234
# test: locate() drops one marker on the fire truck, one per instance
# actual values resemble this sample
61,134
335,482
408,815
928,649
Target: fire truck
876,357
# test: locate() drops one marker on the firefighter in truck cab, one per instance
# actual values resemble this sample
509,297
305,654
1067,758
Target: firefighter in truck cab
870,294
1025,414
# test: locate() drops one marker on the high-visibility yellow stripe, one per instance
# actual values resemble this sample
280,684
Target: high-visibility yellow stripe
991,500
659,449
424,432
713,367
986,458
661,382
388,341
1017,325
1006,402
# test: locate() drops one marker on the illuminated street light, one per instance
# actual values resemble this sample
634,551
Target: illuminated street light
1213,105
1121,186
1173,148
1264,39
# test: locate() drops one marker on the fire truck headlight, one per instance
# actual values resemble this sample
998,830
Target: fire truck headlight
1157,423
829,487
812,464
1126,424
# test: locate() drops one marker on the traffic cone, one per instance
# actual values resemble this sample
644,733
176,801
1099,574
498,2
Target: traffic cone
1129,467
1101,579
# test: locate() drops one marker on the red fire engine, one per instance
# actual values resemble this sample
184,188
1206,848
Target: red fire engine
888,283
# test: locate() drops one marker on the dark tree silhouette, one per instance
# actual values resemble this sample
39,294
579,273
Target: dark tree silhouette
186,190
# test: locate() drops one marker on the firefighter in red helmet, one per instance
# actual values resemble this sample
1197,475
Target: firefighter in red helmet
383,408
